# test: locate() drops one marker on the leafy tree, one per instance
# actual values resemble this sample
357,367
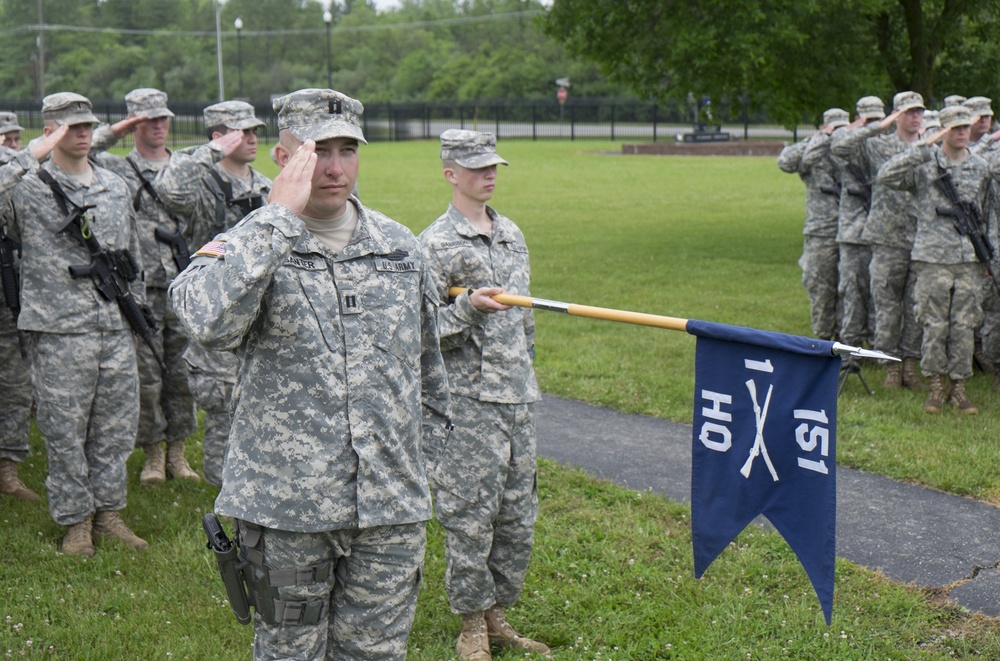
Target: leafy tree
797,57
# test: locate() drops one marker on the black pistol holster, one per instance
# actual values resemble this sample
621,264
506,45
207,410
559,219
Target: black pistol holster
249,582
232,564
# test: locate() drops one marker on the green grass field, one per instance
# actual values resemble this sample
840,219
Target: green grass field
612,575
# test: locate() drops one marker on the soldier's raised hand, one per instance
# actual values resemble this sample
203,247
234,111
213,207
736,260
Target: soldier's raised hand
293,185
44,145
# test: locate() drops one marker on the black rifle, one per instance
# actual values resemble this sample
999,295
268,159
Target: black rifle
968,221
865,192
173,238
831,190
231,566
11,284
178,246
109,270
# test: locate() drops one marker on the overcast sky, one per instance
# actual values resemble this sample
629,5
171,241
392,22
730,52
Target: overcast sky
390,4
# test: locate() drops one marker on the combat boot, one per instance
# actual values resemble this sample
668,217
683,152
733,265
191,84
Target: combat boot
935,398
980,361
893,377
177,465
110,524
959,399
473,645
11,484
78,539
911,380
502,634
153,469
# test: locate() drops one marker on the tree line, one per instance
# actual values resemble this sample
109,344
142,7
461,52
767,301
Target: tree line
424,50
790,59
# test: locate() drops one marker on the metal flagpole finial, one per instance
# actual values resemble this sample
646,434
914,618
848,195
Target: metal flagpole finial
839,348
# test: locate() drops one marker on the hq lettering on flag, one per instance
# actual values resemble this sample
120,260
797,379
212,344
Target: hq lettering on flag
764,439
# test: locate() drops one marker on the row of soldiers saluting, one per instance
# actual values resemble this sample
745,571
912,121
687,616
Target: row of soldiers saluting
901,221
95,398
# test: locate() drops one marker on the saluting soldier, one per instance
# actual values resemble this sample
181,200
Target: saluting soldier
166,406
949,276
83,353
889,229
212,187
812,161
324,302
15,383
857,326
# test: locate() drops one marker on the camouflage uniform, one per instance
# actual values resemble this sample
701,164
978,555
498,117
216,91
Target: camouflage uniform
336,352
949,281
83,364
811,160
484,477
15,382
166,410
889,230
188,190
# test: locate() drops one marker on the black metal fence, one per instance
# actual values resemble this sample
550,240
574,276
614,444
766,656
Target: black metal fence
577,119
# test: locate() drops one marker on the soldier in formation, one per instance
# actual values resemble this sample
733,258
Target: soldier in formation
325,306
211,188
485,475
76,230
166,412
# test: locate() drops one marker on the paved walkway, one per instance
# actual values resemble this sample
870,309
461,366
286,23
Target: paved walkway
909,533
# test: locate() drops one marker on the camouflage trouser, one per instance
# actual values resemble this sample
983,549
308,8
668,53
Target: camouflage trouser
166,407
897,331
486,499
949,308
15,392
363,584
819,276
858,323
991,318
213,396
88,410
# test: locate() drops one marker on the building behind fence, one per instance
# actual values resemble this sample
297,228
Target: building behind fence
576,119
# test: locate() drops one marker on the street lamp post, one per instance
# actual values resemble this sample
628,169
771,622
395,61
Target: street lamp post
238,24
328,19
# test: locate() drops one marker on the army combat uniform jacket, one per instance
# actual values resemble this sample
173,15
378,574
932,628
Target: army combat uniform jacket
336,353
915,170
488,356
812,161
892,220
53,301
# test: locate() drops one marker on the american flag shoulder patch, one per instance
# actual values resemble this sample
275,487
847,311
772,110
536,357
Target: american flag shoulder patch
213,249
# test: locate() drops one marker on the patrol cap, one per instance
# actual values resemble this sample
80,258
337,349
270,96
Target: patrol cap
320,114
955,116
954,100
68,108
870,107
836,117
236,115
907,100
8,122
148,102
470,149
931,120
979,106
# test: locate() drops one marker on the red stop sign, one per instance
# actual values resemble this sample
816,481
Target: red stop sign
562,94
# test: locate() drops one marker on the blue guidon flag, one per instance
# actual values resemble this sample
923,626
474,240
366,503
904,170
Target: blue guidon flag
765,423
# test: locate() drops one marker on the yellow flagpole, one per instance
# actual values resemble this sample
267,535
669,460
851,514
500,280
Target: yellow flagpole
609,314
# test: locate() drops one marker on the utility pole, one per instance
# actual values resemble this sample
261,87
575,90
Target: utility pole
41,48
